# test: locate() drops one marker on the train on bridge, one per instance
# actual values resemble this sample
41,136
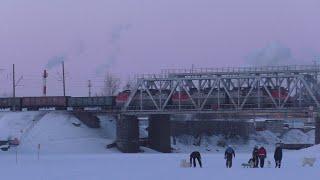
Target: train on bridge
275,87
116,102
184,99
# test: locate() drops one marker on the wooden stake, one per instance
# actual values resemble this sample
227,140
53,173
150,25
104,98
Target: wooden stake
39,151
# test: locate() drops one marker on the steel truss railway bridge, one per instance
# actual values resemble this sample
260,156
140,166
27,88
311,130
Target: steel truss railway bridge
272,89
228,95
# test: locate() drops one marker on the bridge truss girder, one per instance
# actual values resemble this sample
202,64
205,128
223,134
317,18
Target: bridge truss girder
224,92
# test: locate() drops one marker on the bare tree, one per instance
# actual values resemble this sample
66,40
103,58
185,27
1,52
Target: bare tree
111,85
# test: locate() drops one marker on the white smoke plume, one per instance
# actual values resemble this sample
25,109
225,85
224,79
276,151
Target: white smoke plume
111,59
115,37
55,61
271,55
118,31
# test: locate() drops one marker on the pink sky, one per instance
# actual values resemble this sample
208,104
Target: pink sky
142,36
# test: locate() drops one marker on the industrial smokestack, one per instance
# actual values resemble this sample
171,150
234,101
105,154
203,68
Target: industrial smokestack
45,76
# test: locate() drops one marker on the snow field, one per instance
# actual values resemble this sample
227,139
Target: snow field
149,166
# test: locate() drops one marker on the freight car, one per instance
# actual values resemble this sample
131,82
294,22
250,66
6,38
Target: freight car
9,103
104,102
57,102
34,103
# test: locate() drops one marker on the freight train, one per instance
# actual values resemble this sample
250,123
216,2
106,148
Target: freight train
177,99
58,102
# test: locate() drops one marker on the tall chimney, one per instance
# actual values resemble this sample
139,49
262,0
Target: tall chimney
45,76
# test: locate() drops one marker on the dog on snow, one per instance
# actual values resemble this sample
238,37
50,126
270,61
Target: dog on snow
308,161
185,164
249,164
246,165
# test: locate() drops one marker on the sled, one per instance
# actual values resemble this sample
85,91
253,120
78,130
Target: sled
4,147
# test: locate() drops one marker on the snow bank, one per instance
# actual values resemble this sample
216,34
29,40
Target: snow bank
56,132
268,139
296,136
15,124
311,152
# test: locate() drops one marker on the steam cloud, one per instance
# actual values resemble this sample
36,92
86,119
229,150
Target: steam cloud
115,37
270,55
55,61
111,59
118,31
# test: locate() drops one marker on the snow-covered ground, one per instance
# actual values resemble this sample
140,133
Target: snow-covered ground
56,132
16,124
71,152
150,167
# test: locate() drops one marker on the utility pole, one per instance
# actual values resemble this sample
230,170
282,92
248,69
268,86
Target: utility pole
14,85
89,87
316,66
13,88
63,80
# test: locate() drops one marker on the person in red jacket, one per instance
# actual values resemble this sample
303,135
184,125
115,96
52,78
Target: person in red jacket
262,156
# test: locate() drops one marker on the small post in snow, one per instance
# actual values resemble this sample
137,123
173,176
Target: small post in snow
39,146
16,155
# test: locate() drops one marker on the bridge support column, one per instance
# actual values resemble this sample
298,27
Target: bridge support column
317,132
128,134
159,132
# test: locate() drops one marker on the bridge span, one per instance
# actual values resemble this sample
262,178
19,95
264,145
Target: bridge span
231,95
205,89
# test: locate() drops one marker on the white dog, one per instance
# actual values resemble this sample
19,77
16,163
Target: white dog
308,161
246,165
185,164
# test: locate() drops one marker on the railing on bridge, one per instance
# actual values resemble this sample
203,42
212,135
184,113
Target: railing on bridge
254,69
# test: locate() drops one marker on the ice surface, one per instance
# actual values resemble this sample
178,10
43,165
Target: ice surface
151,166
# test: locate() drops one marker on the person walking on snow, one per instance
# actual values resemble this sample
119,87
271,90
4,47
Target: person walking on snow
278,155
255,156
228,155
193,156
262,155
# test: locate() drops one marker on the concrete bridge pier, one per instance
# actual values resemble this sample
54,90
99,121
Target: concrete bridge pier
317,133
127,134
159,132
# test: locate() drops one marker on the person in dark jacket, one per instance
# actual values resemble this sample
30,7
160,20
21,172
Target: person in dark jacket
262,156
193,156
228,155
278,155
255,156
